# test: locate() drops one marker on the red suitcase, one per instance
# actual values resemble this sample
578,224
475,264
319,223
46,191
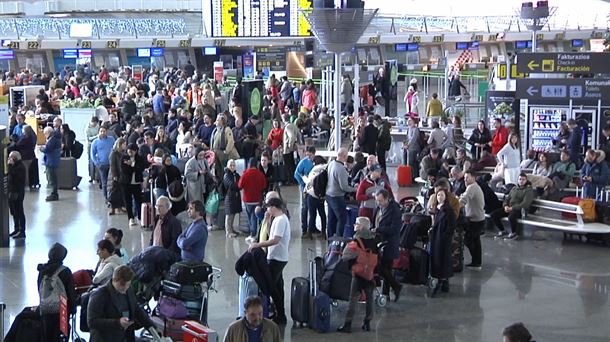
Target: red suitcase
196,332
570,200
404,175
170,327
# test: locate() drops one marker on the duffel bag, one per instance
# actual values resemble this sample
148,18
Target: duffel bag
187,272
182,292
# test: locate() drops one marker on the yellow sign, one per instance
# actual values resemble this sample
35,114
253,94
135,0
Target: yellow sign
438,39
532,65
560,36
548,65
502,71
184,43
478,37
416,39
85,44
220,42
33,45
539,36
514,73
374,40
160,43
14,45
492,37
111,44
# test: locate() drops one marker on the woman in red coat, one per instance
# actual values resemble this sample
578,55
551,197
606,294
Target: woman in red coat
276,134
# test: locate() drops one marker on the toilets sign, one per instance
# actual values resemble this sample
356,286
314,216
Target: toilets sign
564,63
579,90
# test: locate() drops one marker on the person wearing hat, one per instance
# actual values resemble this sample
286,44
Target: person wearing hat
50,321
368,187
366,239
132,167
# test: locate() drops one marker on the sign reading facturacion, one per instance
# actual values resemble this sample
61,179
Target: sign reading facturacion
564,63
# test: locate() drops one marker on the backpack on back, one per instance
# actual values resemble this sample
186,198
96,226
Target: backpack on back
365,262
50,290
320,182
77,149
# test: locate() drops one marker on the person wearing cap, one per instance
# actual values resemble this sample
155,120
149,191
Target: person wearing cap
366,239
368,187
277,254
132,167
303,169
50,321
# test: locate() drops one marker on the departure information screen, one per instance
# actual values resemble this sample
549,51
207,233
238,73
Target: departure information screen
259,18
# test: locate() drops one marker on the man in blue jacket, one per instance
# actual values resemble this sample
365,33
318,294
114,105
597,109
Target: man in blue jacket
303,169
595,173
100,155
52,155
194,238
574,143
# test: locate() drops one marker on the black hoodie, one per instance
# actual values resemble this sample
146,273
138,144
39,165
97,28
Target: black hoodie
57,254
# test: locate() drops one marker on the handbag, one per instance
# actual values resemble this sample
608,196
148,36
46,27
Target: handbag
172,308
212,203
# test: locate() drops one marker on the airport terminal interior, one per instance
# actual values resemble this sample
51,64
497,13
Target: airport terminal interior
533,66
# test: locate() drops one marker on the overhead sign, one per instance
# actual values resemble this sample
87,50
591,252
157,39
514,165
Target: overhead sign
502,71
579,90
564,62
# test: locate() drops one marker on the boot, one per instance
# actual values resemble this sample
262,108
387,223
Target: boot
366,325
345,328
445,286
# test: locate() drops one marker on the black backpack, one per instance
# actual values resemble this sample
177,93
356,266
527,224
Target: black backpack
77,149
319,183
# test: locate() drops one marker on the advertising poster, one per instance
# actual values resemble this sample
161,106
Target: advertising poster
4,110
218,71
248,63
504,105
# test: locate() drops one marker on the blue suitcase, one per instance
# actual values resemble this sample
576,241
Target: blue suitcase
319,304
352,214
247,288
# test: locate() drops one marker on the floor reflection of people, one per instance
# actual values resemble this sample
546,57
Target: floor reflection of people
593,292
521,276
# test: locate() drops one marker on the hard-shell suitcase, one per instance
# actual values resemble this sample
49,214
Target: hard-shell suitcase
352,215
319,303
404,176
171,328
187,292
247,288
299,300
419,266
147,212
187,272
197,332
66,174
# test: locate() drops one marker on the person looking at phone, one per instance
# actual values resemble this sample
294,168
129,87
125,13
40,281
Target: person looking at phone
113,313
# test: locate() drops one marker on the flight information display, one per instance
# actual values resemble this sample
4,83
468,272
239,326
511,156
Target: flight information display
259,18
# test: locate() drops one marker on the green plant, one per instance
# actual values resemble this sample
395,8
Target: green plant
77,103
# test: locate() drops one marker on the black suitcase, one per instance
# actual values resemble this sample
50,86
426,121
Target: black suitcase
190,292
419,267
66,174
187,273
299,300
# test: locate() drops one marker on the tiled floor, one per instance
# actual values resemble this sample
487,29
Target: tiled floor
559,289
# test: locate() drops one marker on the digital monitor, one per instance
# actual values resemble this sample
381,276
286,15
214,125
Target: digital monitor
412,47
70,53
7,54
210,51
523,44
81,30
473,45
84,53
144,52
461,45
401,47
578,43
157,52
5,42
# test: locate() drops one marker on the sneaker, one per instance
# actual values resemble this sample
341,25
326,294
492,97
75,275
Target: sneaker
474,267
512,236
501,234
14,233
132,222
52,198
21,235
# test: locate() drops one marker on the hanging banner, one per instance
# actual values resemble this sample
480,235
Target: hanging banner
4,110
137,71
218,71
248,63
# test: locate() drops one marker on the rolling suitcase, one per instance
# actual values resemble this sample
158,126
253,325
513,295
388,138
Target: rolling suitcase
188,273
247,288
352,214
319,303
183,292
404,176
299,300
419,266
197,332
147,211
66,174
171,328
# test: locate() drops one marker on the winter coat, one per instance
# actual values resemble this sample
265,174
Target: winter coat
232,197
389,229
599,172
269,176
500,139
52,150
255,264
152,262
171,228
127,171
368,140
385,138
16,177
365,194
520,197
478,137
195,182
164,176
106,268
26,146
440,243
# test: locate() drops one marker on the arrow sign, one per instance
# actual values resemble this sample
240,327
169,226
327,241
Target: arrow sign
532,65
531,90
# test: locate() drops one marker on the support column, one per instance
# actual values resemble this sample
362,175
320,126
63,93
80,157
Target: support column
337,101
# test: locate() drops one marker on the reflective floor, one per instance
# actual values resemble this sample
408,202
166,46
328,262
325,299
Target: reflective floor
558,289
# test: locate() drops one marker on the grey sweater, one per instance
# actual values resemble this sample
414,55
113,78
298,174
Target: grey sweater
474,202
338,184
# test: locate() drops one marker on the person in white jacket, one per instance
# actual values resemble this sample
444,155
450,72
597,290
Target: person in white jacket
510,158
108,262
315,204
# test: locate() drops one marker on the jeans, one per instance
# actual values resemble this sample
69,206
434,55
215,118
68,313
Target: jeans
133,194
304,212
313,205
252,219
472,240
359,285
277,280
513,217
104,169
16,210
336,215
52,179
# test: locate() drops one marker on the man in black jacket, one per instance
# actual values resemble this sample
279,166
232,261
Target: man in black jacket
167,227
16,193
113,313
387,221
368,140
